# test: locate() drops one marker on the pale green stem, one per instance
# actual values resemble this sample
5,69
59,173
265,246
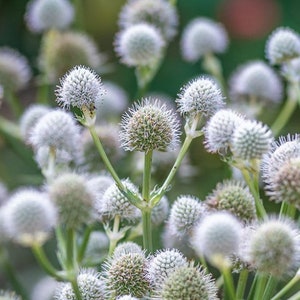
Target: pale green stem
240,290
76,289
43,92
114,237
287,287
14,103
228,283
260,286
287,209
295,297
270,288
49,172
84,243
70,249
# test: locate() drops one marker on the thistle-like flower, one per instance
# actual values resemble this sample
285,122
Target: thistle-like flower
139,45
126,248
282,46
251,140
148,126
42,15
159,13
74,200
203,36
200,96
219,130
274,240
15,72
234,197
256,80
81,87
29,217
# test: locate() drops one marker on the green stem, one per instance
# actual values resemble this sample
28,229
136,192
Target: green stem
70,249
84,243
270,287
252,288
43,92
287,287
147,232
114,237
228,283
260,286
76,289
14,103
295,297
240,290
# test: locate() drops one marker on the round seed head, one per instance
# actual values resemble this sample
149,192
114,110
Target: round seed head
119,282
148,126
282,46
188,282
126,248
115,203
42,15
256,80
160,212
219,130
275,240
7,295
234,197
200,96
159,13
185,212
217,236
203,36
73,199
30,117
29,217
81,87
163,264
44,289
61,51
15,72
251,140
139,45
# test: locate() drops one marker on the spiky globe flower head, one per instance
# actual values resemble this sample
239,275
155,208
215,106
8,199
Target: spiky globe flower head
7,295
203,36
139,45
283,45
256,80
219,130
160,212
234,197
114,203
57,131
29,217
90,284
81,87
15,72
30,117
185,212
42,15
188,282
200,96
163,263
159,13
217,237
251,140
274,240
126,248
127,275
61,51
44,289
149,125
73,199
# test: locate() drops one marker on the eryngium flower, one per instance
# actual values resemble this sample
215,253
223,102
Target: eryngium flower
81,87
234,197
148,126
90,284
200,96
7,295
73,199
185,212
219,130
159,13
188,282
118,280
203,36
163,264
62,51
126,248
256,80
282,45
251,140
14,69
29,217
43,15
274,240
139,45
217,236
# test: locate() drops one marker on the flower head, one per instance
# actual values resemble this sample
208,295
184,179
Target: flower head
203,36
42,15
126,248
282,45
148,126
139,45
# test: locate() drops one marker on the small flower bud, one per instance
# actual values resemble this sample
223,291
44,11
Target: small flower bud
139,45
203,36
